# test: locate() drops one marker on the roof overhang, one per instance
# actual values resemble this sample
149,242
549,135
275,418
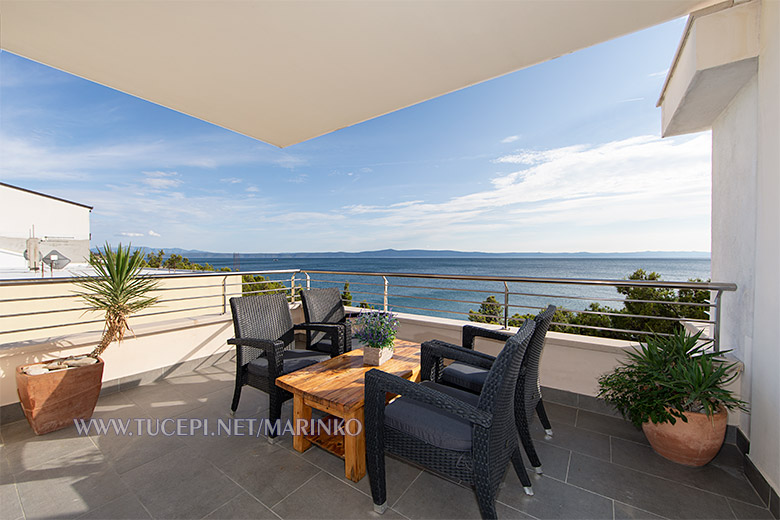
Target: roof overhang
717,56
287,71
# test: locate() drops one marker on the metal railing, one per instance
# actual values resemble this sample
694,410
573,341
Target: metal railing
512,299
23,315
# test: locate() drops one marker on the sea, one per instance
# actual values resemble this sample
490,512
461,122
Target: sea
454,298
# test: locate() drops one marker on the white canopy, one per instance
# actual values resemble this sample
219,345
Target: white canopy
287,71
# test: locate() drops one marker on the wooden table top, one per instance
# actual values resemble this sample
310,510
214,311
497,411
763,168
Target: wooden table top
338,382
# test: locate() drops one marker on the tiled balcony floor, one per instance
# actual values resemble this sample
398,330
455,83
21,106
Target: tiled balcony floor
596,466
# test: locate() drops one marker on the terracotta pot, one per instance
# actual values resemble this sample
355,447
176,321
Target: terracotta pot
376,356
694,443
52,400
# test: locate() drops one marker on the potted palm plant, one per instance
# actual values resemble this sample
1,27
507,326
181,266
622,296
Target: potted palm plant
54,393
377,330
674,389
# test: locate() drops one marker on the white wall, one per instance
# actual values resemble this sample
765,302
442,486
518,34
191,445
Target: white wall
20,210
734,170
765,395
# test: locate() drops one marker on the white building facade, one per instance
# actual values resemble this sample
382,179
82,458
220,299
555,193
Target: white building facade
59,224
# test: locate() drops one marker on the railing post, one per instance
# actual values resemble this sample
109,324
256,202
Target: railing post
506,305
292,288
386,284
224,295
308,281
716,326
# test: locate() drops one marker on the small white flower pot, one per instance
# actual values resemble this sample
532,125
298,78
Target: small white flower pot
376,356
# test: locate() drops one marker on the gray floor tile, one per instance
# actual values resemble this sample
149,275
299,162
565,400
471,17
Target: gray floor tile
126,452
25,450
241,507
162,400
627,512
10,506
609,425
559,414
594,404
69,486
200,384
723,480
553,395
126,507
325,496
553,499
653,494
118,406
745,511
452,500
575,439
555,460
399,474
173,486
268,472
729,456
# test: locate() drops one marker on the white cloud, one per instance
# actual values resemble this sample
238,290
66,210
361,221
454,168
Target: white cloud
152,233
159,180
126,234
253,189
631,100
298,179
659,73
231,180
290,161
642,180
511,139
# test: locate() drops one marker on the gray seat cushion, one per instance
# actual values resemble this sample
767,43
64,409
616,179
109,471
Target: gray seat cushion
323,345
465,376
430,424
294,359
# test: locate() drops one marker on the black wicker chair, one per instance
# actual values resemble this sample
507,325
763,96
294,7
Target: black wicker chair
265,341
470,377
324,307
458,434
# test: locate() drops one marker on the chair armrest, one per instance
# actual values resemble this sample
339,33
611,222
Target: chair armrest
248,349
434,352
335,332
470,332
379,383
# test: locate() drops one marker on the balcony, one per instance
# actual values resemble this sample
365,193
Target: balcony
595,466
178,368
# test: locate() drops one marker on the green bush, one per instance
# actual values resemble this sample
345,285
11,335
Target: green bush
668,376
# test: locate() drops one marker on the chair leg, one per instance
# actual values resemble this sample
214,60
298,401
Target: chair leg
543,419
486,499
236,397
274,414
528,443
375,465
517,462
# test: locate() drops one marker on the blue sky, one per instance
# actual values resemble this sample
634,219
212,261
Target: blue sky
562,156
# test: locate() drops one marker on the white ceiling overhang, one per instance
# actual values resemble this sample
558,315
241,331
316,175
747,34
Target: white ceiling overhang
287,71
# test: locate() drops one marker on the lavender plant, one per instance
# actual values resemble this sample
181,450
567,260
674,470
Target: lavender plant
377,329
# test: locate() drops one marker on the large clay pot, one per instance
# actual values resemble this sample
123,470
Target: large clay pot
52,400
694,443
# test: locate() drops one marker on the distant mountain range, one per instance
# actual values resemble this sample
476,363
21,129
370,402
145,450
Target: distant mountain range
428,253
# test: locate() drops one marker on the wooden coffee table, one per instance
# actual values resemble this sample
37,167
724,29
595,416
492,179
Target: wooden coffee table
336,386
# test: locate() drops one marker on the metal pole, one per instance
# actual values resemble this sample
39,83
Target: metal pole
292,288
308,281
386,284
716,332
224,295
506,305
